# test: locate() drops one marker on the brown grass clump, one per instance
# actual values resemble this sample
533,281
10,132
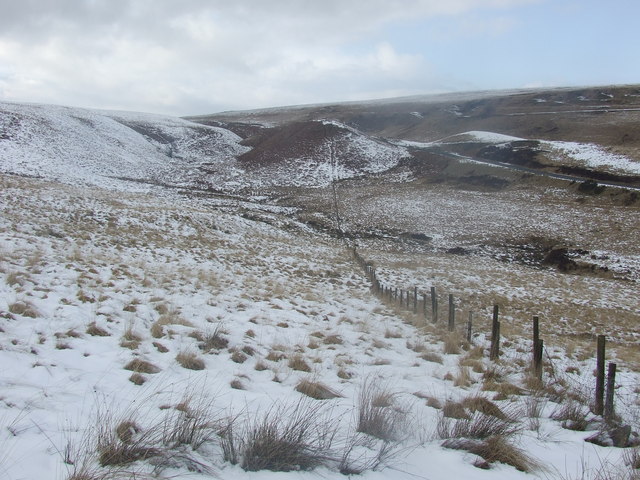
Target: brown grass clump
454,410
476,403
96,331
141,366
332,340
237,384
130,339
392,333
190,360
463,378
377,414
316,390
275,356
284,439
497,448
170,318
261,366
452,344
238,357
432,357
160,347
573,415
214,340
24,308
297,362
503,390
137,379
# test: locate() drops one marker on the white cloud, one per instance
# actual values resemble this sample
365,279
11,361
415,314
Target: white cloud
199,55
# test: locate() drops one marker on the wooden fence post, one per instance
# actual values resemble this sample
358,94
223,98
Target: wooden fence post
600,350
434,305
424,306
469,326
452,314
495,335
537,359
415,299
611,383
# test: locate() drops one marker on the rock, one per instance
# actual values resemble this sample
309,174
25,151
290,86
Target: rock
616,437
620,436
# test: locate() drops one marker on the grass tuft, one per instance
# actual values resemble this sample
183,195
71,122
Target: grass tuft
141,366
316,390
190,360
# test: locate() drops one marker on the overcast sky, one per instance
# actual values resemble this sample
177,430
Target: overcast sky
186,57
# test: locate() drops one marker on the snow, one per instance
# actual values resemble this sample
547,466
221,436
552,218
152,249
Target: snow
594,156
491,137
80,246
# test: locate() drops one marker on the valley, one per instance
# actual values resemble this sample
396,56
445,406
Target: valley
196,275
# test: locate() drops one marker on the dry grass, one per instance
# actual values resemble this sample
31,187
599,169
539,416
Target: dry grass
213,341
452,344
286,438
332,339
496,448
24,308
378,415
297,362
474,424
141,366
130,339
432,357
316,390
190,360
463,378
137,379
94,330
572,414
238,357
170,318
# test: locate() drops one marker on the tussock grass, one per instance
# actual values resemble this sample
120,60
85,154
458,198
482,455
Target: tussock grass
190,360
452,344
170,318
316,390
496,448
378,415
432,357
130,339
141,366
297,362
238,356
24,308
285,438
572,415
96,331
214,340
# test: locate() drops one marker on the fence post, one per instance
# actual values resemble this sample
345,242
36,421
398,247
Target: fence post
600,350
469,326
452,314
434,305
611,383
537,359
495,335
415,299
408,298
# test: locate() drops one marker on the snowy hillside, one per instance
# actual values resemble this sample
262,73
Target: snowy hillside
135,330
152,326
108,148
134,151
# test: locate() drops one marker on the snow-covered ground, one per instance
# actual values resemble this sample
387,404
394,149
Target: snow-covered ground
91,279
138,325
